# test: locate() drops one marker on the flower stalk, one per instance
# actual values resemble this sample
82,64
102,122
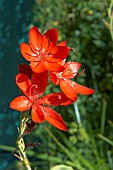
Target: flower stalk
20,141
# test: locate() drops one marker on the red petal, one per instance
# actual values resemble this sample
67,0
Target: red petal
55,67
80,89
56,99
71,69
26,52
35,38
37,67
34,64
45,44
23,68
41,80
68,89
52,35
51,51
62,62
20,103
54,118
63,43
54,78
23,82
37,114
57,54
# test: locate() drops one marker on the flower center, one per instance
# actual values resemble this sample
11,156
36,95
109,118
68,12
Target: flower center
33,93
43,51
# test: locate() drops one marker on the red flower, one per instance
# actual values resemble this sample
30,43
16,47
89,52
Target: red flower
32,90
69,87
25,69
43,53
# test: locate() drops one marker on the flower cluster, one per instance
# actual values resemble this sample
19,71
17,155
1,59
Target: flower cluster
47,61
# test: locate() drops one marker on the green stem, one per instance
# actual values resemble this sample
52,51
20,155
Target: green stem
105,139
20,141
110,15
7,148
103,117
